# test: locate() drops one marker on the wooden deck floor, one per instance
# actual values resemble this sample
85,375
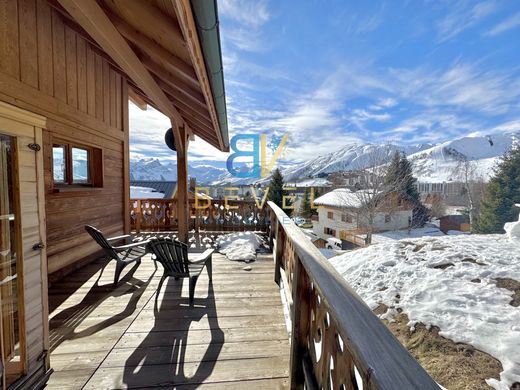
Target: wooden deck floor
104,338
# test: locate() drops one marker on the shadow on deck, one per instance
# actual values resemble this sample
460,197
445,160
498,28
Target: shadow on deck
128,337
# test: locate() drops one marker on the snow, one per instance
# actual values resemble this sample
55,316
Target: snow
313,182
433,277
145,193
427,231
340,197
240,246
513,229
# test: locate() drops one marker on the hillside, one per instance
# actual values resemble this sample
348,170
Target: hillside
431,163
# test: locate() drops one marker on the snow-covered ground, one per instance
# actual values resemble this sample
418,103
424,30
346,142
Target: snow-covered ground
447,281
428,231
241,246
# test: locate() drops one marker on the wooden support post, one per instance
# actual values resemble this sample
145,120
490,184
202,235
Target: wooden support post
183,214
300,324
126,157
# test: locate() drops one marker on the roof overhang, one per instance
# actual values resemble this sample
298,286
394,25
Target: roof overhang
169,50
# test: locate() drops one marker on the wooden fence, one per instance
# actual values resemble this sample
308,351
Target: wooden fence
336,340
359,239
161,215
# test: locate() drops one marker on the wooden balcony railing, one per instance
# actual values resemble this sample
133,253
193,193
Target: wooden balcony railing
161,215
336,340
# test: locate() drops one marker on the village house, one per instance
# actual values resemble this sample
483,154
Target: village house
341,211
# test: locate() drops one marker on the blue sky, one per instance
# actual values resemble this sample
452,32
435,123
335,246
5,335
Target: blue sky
329,73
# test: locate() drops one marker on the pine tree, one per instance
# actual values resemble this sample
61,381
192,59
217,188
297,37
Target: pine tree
276,188
502,192
399,178
305,209
393,172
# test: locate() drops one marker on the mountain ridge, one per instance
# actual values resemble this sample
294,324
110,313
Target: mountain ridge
431,162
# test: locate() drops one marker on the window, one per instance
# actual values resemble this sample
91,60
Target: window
347,218
76,165
329,231
330,215
58,160
388,218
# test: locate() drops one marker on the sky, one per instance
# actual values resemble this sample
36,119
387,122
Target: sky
329,73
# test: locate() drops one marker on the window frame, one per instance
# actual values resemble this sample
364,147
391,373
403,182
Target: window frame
330,215
94,166
346,218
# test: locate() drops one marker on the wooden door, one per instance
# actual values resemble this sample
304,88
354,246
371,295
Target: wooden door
23,285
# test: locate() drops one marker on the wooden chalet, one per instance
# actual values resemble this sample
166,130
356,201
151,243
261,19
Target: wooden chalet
67,71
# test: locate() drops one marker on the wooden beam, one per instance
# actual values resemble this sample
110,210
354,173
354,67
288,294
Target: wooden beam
189,30
126,155
137,99
192,94
144,15
183,213
178,98
89,15
171,62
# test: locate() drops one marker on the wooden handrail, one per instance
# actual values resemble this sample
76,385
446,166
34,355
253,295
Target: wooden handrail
331,323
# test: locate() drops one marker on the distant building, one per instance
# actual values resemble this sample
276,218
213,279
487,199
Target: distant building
157,189
142,189
340,212
452,193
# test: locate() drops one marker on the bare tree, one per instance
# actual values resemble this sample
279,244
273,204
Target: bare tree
437,205
467,171
372,192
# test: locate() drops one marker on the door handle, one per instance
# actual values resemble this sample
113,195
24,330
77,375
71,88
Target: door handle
38,246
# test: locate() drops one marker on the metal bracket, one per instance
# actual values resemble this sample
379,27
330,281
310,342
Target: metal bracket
35,147
38,246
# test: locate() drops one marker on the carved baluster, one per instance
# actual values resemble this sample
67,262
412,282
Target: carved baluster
138,216
300,324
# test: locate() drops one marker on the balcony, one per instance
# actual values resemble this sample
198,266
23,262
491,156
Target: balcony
235,336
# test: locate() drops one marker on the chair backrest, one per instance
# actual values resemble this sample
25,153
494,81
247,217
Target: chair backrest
102,241
172,254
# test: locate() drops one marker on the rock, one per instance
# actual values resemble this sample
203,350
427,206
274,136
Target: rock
247,268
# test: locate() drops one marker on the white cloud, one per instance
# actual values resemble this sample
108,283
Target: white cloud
462,16
461,86
508,24
245,12
242,24
147,130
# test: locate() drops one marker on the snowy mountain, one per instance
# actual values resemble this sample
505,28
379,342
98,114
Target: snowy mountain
439,163
153,169
348,158
432,163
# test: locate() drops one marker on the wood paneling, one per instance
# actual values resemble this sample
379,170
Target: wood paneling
48,68
41,51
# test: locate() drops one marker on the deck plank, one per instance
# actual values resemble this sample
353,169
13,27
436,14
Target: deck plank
116,338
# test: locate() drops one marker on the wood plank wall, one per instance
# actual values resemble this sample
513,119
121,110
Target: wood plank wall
48,68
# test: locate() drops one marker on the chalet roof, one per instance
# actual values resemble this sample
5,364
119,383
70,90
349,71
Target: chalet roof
170,52
340,197
166,187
